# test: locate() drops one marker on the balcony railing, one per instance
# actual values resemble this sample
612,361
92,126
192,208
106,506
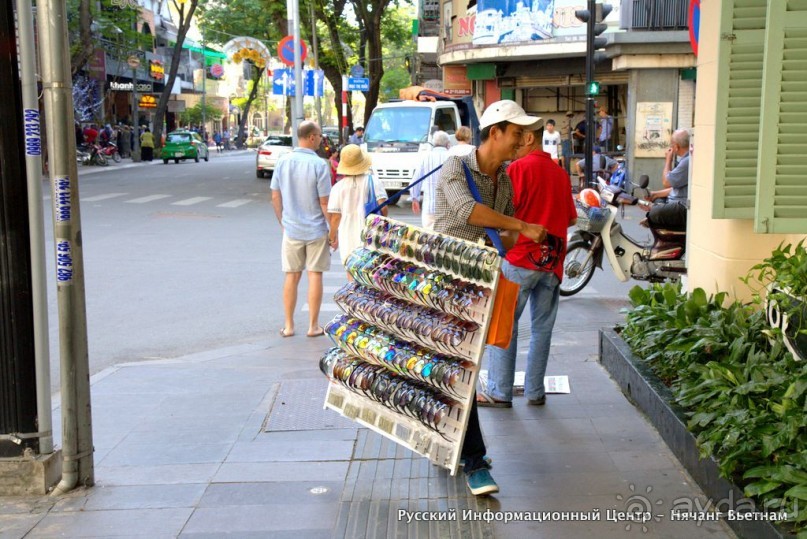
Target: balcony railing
654,14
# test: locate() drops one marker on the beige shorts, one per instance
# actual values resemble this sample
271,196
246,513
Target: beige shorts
297,255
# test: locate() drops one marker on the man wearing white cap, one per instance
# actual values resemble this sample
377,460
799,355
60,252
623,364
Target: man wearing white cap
458,214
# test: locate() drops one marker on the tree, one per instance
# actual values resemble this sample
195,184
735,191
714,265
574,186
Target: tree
185,17
369,14
262,20
193,115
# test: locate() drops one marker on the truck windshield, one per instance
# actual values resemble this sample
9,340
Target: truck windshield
404,124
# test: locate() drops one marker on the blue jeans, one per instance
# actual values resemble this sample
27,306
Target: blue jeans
543,291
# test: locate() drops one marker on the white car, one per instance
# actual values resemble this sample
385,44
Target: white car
269,152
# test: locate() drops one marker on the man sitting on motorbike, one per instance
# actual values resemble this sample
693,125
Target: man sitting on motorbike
673,214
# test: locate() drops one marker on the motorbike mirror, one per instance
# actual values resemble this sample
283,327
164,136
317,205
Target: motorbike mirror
644,181
620,148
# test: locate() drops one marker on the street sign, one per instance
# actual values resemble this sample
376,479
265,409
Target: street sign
358,84
357,71
285,50
314,82
133,61
283,82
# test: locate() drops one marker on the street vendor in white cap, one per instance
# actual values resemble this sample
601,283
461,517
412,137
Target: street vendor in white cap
458,214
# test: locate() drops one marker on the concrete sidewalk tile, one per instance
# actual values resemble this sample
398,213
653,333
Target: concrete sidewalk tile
135,497
644,458
223,494
17,526
136,454
155,475
285,451
303,437
269,519
277,534
132,522
223,434
239,472
573,462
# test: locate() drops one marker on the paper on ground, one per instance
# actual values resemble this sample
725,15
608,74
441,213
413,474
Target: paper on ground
553,384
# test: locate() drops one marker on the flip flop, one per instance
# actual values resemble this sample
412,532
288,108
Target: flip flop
284,334
319,333
486,401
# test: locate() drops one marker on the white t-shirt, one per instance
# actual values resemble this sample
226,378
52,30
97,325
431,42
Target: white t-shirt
551,143
348,197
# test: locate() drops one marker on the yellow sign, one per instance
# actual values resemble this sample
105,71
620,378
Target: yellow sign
156,70
147,102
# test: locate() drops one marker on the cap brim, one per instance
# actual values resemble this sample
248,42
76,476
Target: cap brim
526,121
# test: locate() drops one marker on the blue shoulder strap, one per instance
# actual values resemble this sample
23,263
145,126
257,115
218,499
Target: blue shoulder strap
493,234
394,197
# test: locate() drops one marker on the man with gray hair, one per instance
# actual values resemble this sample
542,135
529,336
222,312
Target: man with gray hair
673,214
423,193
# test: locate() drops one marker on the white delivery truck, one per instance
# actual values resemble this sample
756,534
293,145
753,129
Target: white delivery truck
398,134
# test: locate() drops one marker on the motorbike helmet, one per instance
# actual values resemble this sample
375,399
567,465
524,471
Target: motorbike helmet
590,198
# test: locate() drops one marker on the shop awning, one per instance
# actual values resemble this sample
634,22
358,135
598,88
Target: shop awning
209,53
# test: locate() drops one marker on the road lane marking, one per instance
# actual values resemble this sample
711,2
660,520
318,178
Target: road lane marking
150,198
235,203
98,198
190,201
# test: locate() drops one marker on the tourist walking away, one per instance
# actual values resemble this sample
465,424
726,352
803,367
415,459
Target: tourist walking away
542,195
423,193
464,138
300,187
147,145
458,214
217,140
347,203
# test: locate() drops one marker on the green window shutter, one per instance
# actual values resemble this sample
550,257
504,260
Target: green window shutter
737,133
781,199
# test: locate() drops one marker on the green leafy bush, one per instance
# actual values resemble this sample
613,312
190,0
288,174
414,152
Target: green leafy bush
744,393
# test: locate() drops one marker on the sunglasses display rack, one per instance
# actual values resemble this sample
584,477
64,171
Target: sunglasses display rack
408,347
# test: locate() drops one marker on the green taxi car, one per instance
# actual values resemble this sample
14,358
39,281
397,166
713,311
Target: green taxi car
181,145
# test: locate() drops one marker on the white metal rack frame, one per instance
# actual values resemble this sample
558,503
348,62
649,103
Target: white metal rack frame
441,444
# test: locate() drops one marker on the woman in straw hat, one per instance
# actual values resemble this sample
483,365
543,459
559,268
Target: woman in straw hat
348,197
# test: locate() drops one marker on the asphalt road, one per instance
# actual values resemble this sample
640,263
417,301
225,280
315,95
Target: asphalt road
182,258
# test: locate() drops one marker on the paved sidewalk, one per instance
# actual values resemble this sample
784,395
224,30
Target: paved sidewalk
84,170
234,442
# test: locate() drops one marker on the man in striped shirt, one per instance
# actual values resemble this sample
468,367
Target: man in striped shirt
458,214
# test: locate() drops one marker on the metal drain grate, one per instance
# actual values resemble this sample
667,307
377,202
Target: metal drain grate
298,406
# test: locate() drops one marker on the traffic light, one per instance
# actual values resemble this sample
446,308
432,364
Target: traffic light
592,88
594,27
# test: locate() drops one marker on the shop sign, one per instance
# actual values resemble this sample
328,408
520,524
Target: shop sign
455,80
147,101
156,70
128,86
177,105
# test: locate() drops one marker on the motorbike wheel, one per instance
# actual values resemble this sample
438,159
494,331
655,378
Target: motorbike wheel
99,159
116,157
575,275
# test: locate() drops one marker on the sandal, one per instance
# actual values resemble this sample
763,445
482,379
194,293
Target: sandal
284,334
486,401
319,333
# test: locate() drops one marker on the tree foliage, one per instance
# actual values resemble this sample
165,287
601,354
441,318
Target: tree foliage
193,115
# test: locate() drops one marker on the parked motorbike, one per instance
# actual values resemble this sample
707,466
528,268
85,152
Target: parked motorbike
91,154
598,233
111,150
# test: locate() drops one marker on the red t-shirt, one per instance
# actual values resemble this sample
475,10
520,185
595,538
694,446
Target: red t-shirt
542,195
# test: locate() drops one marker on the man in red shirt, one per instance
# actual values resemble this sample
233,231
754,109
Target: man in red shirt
542,195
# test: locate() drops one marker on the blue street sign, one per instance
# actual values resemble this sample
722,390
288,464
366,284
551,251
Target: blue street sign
357,71
358,84
283,82
314,82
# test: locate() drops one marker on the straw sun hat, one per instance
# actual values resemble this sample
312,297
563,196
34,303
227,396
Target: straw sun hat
353,161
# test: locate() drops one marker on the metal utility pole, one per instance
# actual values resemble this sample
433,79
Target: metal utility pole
77,447
314,45
204,92
134,63
33,162
18,398
297,116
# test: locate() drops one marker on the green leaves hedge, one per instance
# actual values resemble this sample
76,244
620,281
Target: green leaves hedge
744,394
